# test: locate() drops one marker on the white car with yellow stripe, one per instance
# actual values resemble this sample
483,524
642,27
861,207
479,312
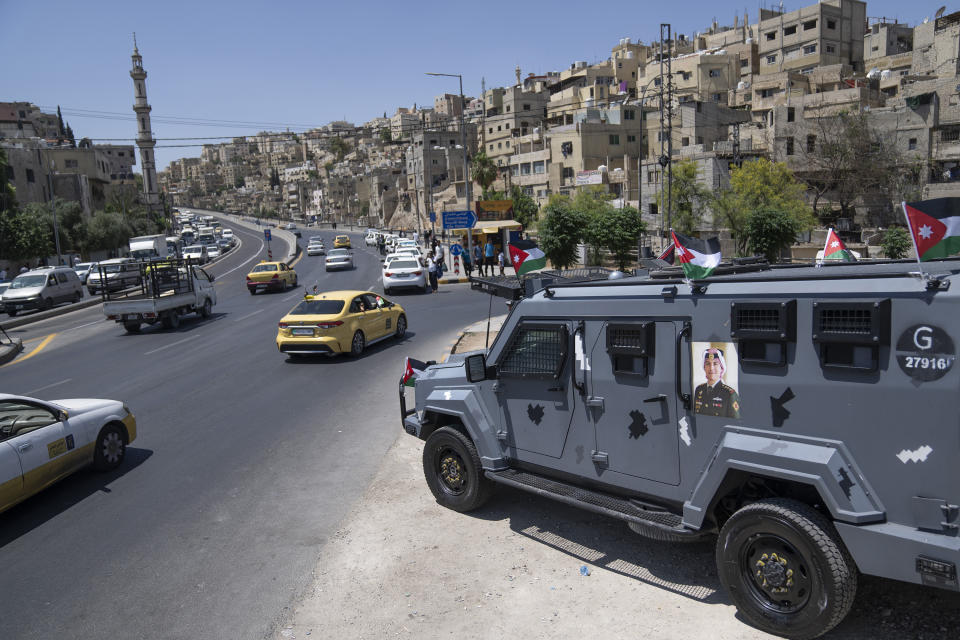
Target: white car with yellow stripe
42,441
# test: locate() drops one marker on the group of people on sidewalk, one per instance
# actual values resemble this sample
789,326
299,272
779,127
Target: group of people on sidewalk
484,258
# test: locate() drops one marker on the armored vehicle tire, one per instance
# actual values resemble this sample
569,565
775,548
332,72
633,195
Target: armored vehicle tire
132,326
453,471
786,569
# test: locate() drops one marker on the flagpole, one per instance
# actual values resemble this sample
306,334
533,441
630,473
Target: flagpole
826,243
913,237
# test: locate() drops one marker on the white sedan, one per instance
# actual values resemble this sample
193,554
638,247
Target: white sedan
338,259
213,251
404,271
315,248
42,442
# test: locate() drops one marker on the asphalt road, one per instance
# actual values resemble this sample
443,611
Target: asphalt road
243,466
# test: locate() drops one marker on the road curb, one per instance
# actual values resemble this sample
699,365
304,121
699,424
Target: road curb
51,313
10,351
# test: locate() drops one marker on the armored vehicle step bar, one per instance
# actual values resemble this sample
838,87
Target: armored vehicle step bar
652,523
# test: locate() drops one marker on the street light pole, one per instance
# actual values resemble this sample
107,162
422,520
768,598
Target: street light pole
463,143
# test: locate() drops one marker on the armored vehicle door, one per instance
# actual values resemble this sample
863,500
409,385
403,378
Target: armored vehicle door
534,388
630,396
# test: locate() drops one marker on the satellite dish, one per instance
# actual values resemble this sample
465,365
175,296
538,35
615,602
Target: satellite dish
940,12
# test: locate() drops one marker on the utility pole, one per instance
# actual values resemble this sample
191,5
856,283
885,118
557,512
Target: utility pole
53,206
666,114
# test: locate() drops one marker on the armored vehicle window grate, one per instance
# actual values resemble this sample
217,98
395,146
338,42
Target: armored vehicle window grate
630,338
535,351
758,319
847,321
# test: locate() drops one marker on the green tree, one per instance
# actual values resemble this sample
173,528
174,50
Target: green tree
689,198
896,243
760,186
617,231
771,231
238,182
61,129
25,234
483,172
107,230
561,230
339,148
525,209
592,203
8,193
386,137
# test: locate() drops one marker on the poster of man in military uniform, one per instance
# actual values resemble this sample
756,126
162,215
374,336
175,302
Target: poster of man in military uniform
715,376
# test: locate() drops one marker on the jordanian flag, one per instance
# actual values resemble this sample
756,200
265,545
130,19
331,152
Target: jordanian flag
411,371
526,256
834,249
935,226
697,257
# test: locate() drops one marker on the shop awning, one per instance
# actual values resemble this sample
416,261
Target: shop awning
492,226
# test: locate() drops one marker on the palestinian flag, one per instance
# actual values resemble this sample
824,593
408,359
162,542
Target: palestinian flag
667,255
526,256
935,227
834,249
411,371
697,257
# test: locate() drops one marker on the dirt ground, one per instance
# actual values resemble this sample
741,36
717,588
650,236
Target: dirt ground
401,566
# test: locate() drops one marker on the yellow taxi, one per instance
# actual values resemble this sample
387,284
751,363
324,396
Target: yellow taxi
42,442
341,242
339,322
271,275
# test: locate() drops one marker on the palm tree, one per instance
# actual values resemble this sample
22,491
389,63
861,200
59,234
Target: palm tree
484,171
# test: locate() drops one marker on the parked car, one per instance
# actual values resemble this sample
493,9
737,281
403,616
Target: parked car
271,275
41,289
339,259
83,270
370,239
404,272
47,441
339,322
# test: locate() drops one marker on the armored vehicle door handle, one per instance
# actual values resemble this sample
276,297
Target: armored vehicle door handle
556,389
685,397
660,397
594,401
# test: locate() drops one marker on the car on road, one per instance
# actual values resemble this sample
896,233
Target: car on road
224,244
213,251
41,289
83,270
198,252
271,275
228,235
339,322
338,259
42,442
341,242
404,272
316,248
114,274
370,239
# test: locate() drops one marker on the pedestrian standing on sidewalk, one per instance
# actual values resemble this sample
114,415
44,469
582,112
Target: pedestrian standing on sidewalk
467,263
432,271
416,238
439,256
488,254
500,261
478,258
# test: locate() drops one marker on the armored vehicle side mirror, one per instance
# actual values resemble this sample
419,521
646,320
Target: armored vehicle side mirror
476,367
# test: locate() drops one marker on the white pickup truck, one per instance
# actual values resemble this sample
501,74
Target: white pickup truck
169,289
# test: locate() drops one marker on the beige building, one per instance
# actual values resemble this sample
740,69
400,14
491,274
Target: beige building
827,33
579,87
516,113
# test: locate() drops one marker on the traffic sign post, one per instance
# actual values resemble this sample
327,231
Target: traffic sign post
456,249
266,236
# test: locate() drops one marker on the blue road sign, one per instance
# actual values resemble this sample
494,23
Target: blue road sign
266,234
433,216
459,219
455,249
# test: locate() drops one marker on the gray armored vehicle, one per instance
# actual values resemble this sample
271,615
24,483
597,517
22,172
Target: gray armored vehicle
807,418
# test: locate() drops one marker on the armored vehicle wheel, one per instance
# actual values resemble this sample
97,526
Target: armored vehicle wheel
132,326
786,569
453,471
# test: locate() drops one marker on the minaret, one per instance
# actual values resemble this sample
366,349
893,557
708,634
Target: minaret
151,190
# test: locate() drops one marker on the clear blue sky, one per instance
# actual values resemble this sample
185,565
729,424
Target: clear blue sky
303,64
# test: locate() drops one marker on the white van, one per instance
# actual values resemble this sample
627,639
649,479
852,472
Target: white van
41,289
120,273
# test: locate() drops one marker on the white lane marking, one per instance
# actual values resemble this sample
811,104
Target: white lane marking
172,344
249,315
49,386
253,257
81,326
917,455
296,295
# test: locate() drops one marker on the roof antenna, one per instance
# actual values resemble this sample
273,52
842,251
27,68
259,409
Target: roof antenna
134,40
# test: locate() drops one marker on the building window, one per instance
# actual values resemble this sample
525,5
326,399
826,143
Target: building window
811,143
684,141
699,139
656,81
771,35
791,114
772,59
508,144
29,175
499,145
912,144
568,172
70,163
508,108
10,174
614,139
714,73
807,70
526,107
629,114
717,97
789,31
831,24
631,138
498,127
809,24
491,129
491,146
789,146
810,49
539,167
744,63
767,93
831,48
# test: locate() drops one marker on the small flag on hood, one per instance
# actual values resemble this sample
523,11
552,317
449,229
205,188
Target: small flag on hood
411,371
698,257
526,256
834,249
935,227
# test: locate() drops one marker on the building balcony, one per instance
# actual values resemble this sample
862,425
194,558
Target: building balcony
530,156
